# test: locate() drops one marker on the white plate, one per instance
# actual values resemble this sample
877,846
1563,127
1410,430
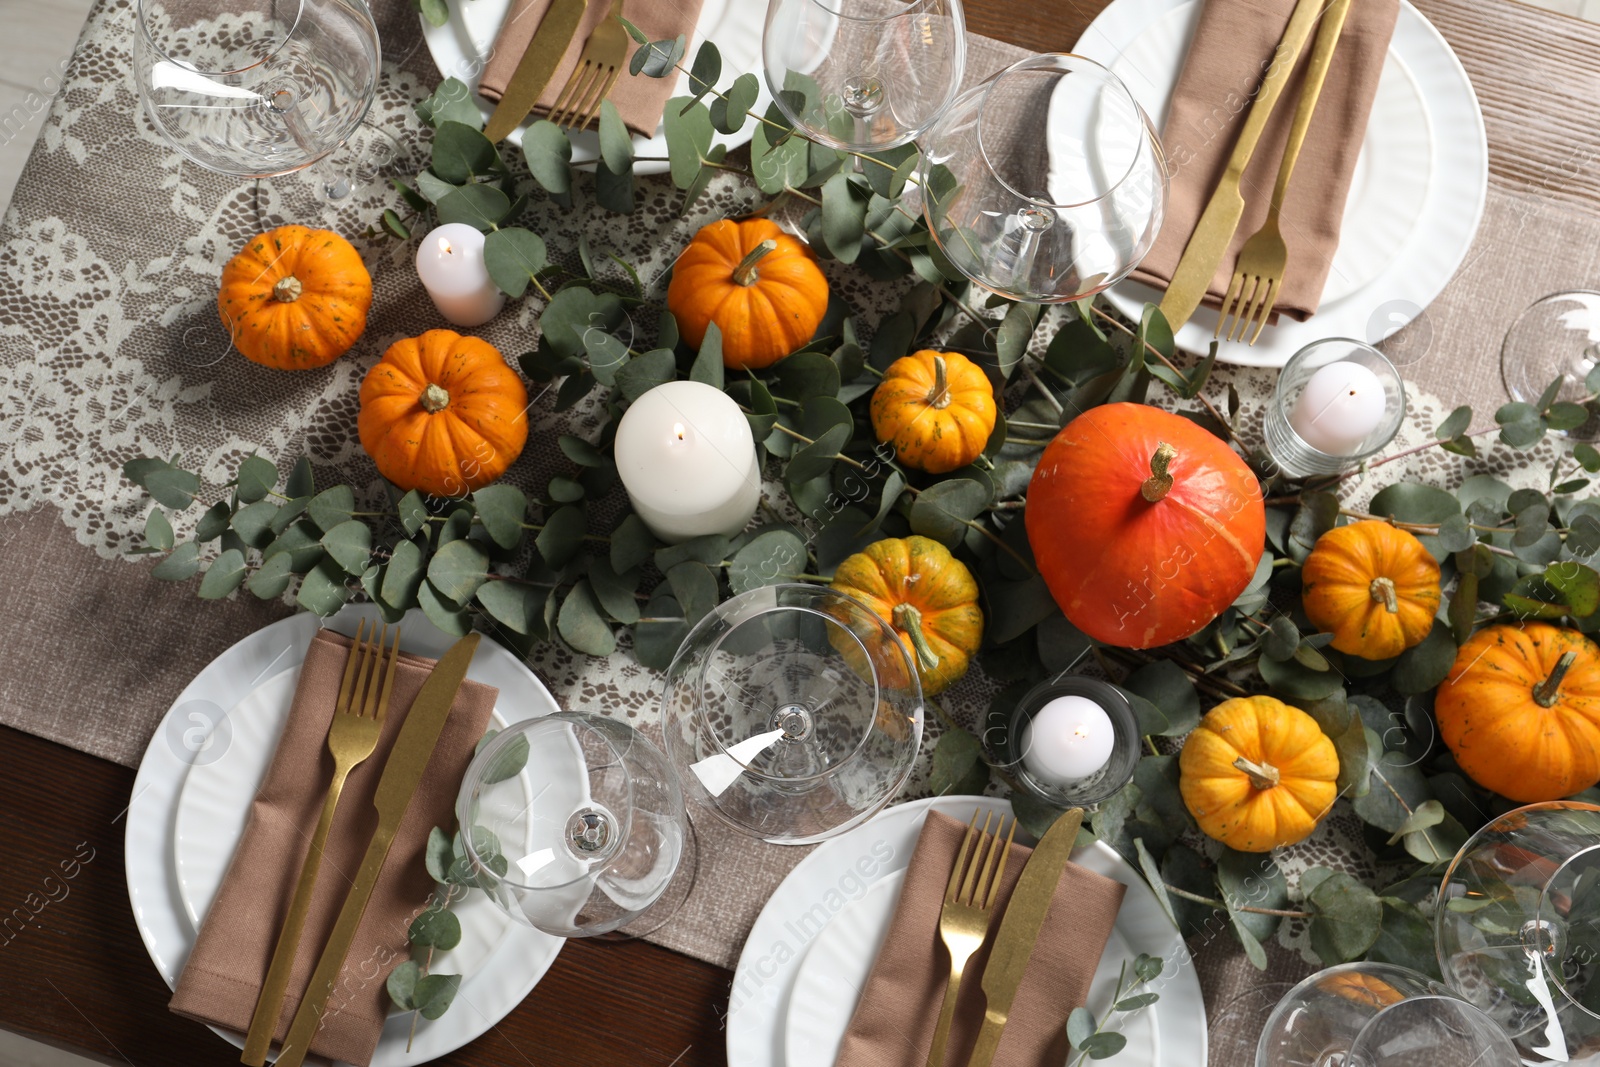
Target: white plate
199,730
461,46
820,893
1416,197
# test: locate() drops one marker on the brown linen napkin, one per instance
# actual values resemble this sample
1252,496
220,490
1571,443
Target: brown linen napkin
639,100
899,1007
229,962
1233,45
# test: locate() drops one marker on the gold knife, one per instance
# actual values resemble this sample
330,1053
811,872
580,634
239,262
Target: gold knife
1209,242
556,31
1019,929
401,773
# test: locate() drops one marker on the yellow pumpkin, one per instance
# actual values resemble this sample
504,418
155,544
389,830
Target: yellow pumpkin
1257,774
295,298
1520,711
1372,586
937,407
442,414
761,287
928,596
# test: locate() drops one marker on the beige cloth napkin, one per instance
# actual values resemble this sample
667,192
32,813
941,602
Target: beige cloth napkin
638,99
229,962
1233,44
894,1021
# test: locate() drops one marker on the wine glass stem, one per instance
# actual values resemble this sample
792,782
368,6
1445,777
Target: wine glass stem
1032,223
333,178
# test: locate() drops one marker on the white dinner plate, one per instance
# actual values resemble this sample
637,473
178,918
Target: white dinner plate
462,44
840,883
505,960
1415,200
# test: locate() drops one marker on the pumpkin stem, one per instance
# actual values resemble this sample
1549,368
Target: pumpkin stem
1261,775
1547,692
1382,592
1159,484
745,272
288,289
434,398
909,619
939,395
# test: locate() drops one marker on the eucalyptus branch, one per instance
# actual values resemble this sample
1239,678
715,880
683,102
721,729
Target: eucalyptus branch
1154,351
1220,906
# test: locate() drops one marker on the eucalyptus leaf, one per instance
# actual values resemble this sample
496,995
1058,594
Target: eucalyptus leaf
271,579
632,544
458,569
548,152
659,633
181,565
483,207
658,58
158,530
223,576
1424,666
562,536
958,768
255,479
349,544
695,589
461,153
508,762
646,371
442,612
688,129
943,510
614,591
323,590
1165,685
1349,917
582,625
843,218
331,507
770,558
402,576
436,928
514,257
518,607
172,487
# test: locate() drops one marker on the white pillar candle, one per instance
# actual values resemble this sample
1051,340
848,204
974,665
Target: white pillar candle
1069,738
688,461
1340,406
450,264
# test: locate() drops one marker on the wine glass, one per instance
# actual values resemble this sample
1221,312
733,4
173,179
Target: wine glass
1379,1015
1517,928
792,713
1557,336
255,88
574,824
1046,183
864,75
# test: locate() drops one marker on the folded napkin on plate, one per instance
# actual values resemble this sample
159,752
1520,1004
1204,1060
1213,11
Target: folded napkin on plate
1233,45
229,962
894,1021
639,100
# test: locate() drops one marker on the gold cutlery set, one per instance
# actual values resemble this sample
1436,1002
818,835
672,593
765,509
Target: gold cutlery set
967,914
353,734
1258,272
586,88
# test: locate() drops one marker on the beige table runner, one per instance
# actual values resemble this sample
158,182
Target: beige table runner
110,251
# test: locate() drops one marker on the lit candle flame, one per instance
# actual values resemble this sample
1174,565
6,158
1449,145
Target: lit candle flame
444,246
677,430
1081,731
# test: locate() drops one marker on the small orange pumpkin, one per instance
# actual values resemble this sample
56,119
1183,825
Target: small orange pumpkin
442,414
937,407
295,298
1257,774
1520,711
761,287
1372,586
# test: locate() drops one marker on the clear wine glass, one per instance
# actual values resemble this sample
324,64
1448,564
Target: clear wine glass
1557,336
864,75
1046,183
1517,928
575,825
1379,1015
792,713
255,88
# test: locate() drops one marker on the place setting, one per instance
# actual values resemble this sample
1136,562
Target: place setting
931,527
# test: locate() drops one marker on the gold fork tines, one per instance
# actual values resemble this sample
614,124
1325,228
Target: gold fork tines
358,716
603,56
968,905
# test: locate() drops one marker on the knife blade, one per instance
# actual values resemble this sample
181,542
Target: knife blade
538,64
402,771
1213,233
1019,929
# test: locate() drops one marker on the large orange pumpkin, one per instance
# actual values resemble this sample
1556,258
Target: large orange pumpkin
295,298
761,287
442,414
1144,525
1520,711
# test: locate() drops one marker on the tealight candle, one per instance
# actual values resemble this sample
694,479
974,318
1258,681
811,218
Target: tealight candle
1068,739
687,458
1339,408
450,264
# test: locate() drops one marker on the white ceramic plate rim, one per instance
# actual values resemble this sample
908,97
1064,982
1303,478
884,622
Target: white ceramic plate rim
1436,246
735,25
486,997
764,977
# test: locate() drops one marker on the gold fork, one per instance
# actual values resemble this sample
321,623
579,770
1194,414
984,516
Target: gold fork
968,905
1253,291
598,66
357,721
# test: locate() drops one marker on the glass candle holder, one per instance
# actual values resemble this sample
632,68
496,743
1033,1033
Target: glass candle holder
1337,402
1050,728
